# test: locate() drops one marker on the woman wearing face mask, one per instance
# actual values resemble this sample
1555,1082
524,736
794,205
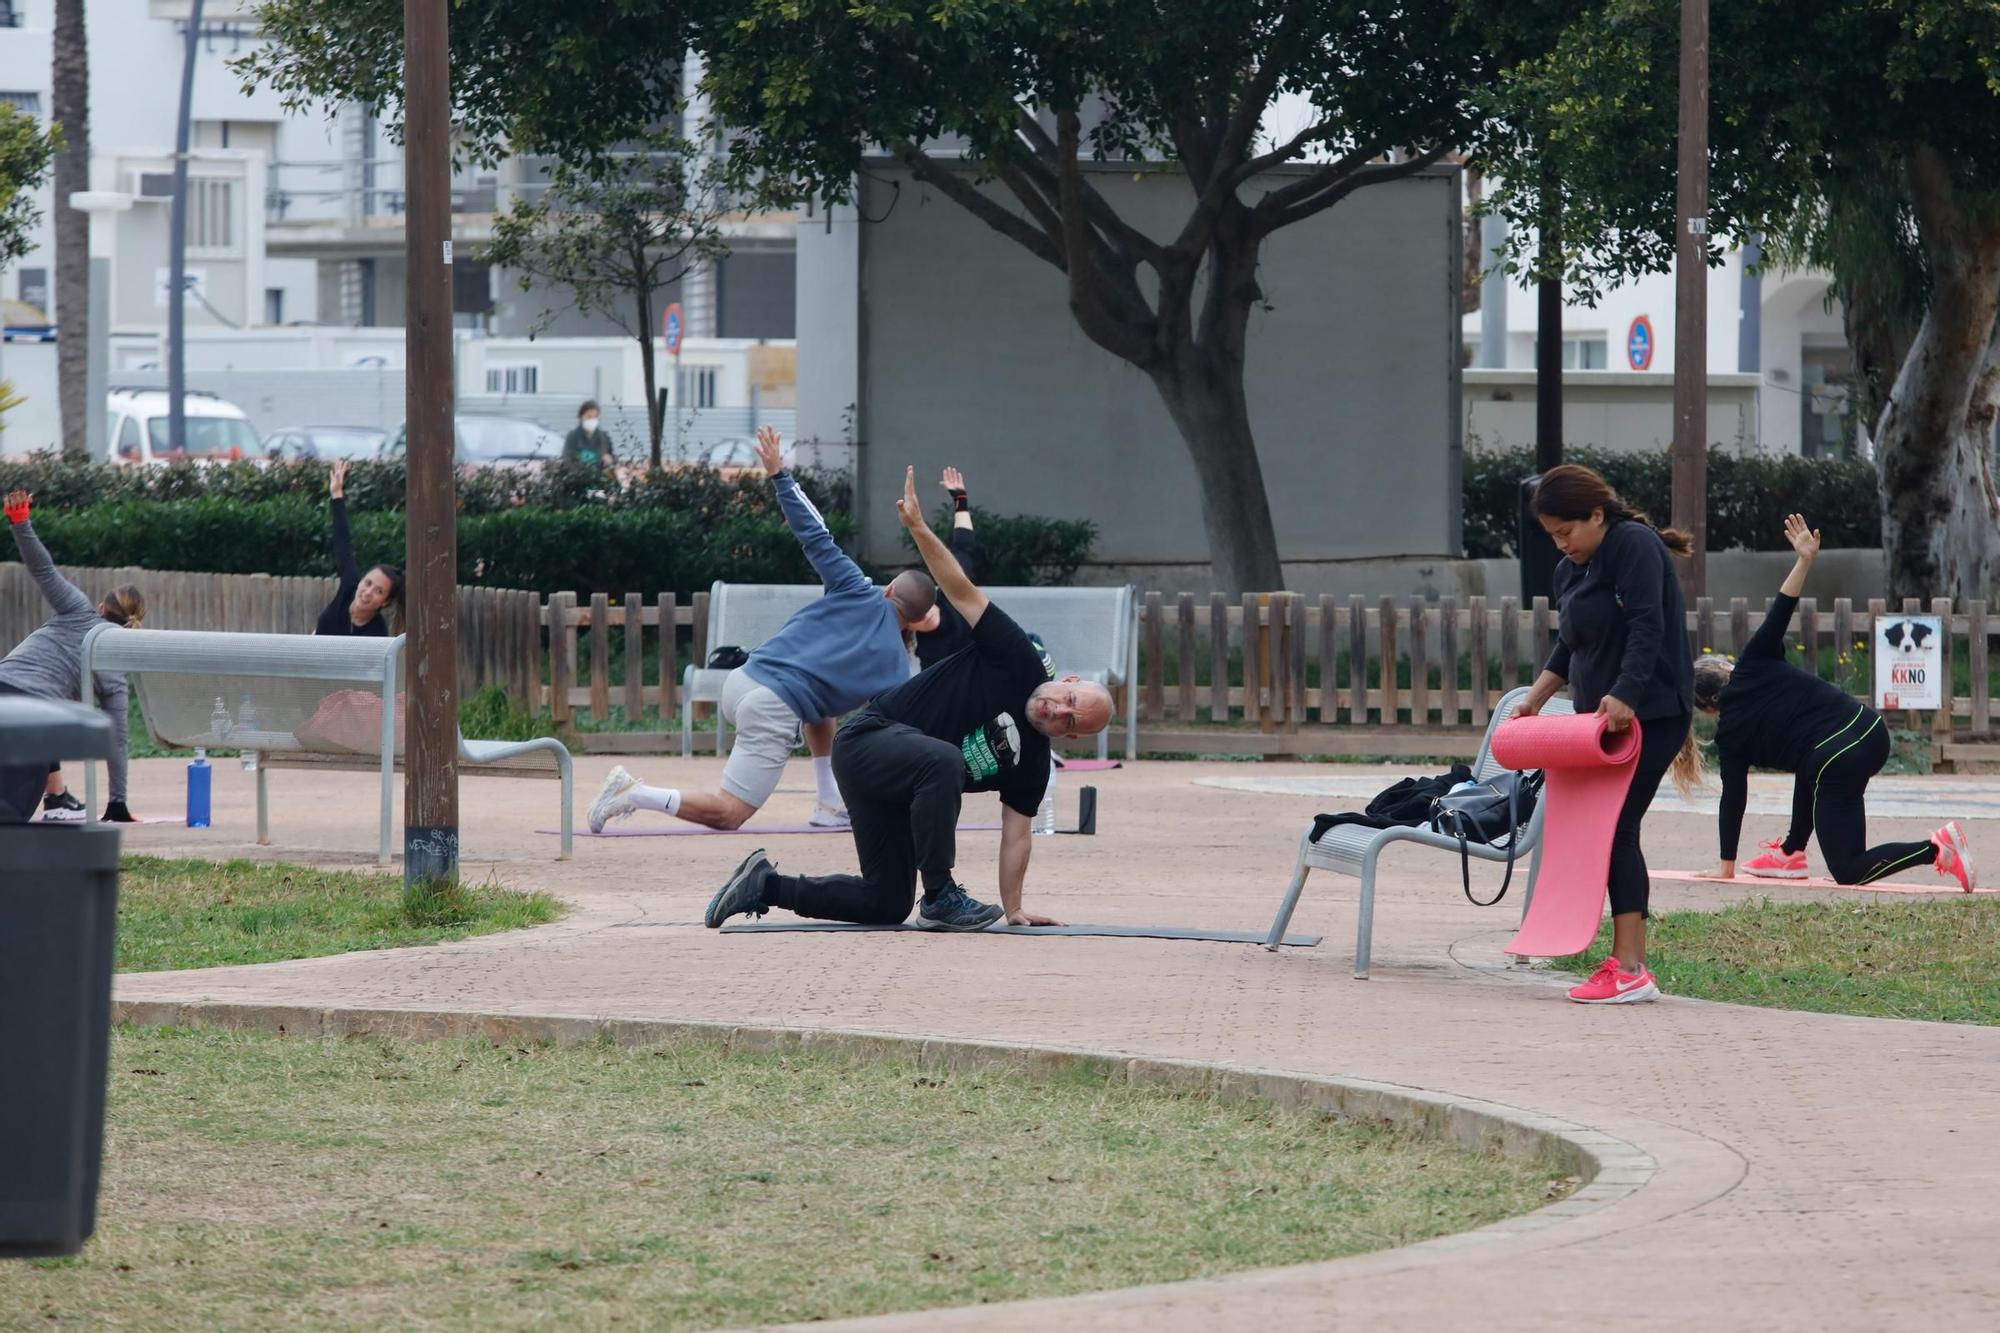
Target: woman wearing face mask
1623,653
586,443
360,601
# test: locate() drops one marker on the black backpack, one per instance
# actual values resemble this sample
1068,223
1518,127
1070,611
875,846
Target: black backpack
1496,809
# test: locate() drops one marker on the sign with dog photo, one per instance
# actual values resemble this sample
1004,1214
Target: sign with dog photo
1909,662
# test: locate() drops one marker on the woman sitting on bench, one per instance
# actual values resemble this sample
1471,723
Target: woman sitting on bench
359,602
49,664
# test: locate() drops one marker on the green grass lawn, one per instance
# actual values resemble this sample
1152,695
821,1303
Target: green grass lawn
176,914
257,1182
1927,959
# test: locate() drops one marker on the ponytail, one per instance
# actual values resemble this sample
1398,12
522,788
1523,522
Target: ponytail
1689,770
125,606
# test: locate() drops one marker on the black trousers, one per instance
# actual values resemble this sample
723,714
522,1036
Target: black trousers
903,791
1660,740
22,785
1830,795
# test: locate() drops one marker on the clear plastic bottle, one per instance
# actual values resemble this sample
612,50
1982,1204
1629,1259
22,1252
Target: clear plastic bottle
218,722
246,722
1045,816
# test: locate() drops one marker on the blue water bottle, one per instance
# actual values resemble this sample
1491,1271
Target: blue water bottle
198,780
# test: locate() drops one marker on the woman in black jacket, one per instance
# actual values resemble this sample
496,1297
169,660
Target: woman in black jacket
1622,650
1774,715
358,604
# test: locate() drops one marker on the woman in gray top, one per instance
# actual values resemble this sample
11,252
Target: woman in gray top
49,662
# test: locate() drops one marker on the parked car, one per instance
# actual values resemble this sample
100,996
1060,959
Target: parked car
217,431
323,444
491,442
732,457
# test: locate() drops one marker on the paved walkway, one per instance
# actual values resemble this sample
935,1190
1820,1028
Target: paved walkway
1815,1172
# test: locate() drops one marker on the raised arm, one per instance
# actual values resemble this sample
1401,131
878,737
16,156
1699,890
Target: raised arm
964,546
832,564
63,597
343,540
966,599
1769,640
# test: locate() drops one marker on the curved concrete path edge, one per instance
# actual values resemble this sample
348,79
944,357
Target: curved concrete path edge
1610,1167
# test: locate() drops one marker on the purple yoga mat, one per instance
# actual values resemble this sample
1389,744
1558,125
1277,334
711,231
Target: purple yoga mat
679,830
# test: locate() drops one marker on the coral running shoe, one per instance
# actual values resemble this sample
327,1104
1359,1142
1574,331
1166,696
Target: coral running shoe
1777,863
1612,984
1954,858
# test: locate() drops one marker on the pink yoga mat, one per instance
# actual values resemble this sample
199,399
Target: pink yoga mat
1588,769
1942,885
679,830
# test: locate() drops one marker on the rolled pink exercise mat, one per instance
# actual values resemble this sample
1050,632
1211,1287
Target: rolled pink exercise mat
1588,768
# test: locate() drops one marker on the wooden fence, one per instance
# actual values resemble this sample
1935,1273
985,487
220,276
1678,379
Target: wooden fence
1307,678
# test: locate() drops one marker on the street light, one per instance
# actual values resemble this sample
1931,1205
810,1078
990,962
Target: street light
103,206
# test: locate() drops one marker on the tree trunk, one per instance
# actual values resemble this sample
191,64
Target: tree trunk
69,76
655,418
1940,511
1207,403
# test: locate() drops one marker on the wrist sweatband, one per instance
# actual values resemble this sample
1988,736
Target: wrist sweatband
18,513
958,502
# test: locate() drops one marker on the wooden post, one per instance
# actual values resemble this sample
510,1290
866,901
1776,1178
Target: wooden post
1975,661
1156,667
600,657
1448,657
1329,661
1543,635
1510,644
562,663
1481,708
1390,688
1357,660
1280,641
1218,655
635,656
1297,616
1739,624
1809,634
1420,665
1941,721
1690,451
1253,664
430,789
1188,658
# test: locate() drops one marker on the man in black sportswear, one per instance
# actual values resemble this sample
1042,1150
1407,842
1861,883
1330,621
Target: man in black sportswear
978,720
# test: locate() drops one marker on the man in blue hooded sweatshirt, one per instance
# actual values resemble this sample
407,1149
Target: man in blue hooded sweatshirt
829,659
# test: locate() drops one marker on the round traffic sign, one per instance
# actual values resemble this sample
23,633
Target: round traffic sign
670,329
1639,343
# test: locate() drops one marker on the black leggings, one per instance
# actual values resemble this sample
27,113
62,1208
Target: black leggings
1660,740
903,791
1830,795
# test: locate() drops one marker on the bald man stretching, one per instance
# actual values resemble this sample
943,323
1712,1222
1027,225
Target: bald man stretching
904,762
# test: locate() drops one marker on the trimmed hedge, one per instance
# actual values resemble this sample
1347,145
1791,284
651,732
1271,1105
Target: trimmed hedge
560,530
1748,497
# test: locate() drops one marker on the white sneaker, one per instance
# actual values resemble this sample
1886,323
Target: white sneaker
614,799
828,816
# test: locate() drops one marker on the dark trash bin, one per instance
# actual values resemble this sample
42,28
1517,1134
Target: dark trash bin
58,926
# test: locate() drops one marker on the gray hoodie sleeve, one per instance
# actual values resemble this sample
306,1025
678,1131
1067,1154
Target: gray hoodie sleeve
114,698
65,597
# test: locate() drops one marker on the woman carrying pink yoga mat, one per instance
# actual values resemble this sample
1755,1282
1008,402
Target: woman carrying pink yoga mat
1622,651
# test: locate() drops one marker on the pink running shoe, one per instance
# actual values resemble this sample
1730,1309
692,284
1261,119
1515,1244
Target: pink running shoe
1777,863
1954,858
1612,984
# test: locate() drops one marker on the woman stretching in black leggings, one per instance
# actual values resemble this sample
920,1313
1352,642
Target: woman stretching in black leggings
1773,715
1623,653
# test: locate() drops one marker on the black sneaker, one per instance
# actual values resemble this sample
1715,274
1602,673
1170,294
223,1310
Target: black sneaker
62,807
744,892
992,749
955,909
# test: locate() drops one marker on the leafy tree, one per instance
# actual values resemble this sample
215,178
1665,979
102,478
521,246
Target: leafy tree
1863,135
1022,91
614,229
25,153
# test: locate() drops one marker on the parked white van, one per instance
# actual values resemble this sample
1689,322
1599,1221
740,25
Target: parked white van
217,431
